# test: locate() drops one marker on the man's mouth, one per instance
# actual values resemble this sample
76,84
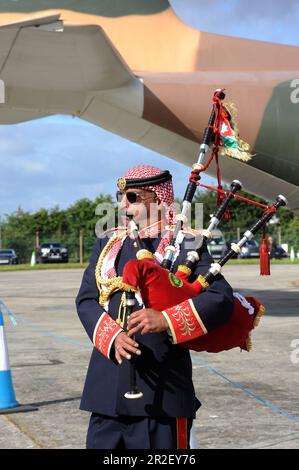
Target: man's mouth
128,215
126,218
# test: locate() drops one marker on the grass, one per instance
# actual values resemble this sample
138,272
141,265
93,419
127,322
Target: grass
28,267
257,261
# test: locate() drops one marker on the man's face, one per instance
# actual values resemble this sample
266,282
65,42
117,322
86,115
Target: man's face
142,205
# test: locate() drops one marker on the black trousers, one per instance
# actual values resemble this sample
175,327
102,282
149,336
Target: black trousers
128,432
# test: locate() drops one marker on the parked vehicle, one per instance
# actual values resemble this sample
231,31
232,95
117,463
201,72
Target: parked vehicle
280,253
8,256
217,245
250,249
52,252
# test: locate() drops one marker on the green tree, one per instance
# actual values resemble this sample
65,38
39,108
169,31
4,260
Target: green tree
57,225
64,225
244,214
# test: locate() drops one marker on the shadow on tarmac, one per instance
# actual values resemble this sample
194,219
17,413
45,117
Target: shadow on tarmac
278,303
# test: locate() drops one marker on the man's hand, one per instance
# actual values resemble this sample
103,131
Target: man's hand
123,344
146,321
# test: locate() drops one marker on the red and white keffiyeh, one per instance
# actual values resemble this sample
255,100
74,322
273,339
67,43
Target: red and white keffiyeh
164,193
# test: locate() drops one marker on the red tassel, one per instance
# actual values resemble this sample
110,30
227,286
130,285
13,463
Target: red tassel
264,256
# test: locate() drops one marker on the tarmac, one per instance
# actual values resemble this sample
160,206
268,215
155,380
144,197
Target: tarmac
249,400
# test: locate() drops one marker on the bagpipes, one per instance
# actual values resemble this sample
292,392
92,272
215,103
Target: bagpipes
160,289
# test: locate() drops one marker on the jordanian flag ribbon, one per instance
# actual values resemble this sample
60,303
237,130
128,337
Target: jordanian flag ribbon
227,135
230,143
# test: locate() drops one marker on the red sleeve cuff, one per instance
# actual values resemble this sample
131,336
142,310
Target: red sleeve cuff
105,333
184,322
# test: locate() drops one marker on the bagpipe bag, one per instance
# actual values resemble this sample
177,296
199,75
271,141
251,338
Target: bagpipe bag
161,289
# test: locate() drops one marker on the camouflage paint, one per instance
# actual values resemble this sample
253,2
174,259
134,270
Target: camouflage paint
277,143
109,8
180,68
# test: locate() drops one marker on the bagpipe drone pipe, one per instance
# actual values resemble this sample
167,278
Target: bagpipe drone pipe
160,289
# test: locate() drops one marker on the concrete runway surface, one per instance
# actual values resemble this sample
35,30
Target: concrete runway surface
250,400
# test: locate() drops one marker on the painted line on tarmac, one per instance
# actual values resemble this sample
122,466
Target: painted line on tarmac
43,331
48,333
63,339
245,390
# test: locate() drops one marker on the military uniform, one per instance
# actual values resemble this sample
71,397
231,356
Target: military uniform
164,369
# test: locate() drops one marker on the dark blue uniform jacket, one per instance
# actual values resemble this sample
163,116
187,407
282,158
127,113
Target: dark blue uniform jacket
164,370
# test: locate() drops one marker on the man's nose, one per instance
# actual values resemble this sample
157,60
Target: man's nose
124,202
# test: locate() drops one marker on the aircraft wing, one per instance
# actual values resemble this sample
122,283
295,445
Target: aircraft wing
48,69
51,66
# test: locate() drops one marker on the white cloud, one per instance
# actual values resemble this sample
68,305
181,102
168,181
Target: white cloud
52,162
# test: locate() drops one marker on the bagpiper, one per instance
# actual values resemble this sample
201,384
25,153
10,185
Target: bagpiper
162,417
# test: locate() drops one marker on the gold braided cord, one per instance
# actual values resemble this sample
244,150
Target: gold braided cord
257,319
259,315
248,343
113,284
99,265
122,311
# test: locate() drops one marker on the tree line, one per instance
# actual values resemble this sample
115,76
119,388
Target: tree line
242,215
21,229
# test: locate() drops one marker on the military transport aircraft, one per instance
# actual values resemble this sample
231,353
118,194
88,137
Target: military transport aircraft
134,68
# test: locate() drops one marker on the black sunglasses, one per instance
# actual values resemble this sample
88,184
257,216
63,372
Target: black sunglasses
131,196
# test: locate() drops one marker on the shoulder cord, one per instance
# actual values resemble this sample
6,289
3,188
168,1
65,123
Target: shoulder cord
110,285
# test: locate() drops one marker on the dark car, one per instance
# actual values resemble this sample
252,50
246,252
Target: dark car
217,245
250,249
280,253
52,252
8,256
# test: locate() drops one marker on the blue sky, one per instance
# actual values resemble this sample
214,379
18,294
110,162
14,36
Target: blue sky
263,20
57,160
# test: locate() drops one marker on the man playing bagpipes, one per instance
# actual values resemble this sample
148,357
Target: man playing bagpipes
162,417
139,382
